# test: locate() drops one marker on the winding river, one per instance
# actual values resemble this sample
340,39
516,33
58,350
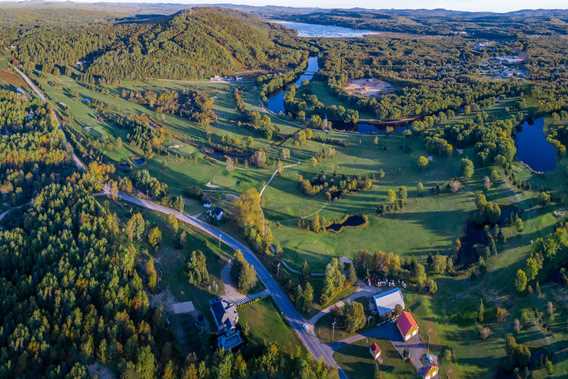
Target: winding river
276,101
532,147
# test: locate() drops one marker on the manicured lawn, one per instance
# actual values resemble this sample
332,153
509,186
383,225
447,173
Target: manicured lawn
267,326
325,331
428,224
433,221
357,362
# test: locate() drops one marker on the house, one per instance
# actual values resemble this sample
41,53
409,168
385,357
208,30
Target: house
431,371
226,319
216,214
407,326
385,302
183,308
207,204
375,351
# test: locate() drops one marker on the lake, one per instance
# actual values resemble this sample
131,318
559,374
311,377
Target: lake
323,31
533,148
276,101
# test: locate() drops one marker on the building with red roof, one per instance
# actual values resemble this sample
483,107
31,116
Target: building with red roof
375,351
431,371
407,325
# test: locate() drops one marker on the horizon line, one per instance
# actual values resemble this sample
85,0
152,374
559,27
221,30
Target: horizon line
315,7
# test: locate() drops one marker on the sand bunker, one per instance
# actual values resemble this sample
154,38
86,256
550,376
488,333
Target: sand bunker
368,87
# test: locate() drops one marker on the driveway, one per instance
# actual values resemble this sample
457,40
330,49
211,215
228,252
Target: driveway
388,331
362,290
385,331
296,321
232,294
416,349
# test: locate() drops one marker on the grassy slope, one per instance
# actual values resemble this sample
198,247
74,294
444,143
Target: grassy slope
433,222
266,325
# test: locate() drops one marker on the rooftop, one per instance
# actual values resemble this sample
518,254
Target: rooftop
386,301
181,308
225,315
406,323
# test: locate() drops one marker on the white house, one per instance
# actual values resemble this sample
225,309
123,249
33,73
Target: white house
386,302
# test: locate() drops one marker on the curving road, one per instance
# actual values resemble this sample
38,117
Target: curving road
80,165
296,321
301,326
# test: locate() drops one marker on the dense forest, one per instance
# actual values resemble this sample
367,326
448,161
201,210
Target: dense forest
32,150
420,185
191,44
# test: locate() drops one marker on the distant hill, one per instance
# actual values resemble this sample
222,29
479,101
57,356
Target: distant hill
190,44
106,45
441,21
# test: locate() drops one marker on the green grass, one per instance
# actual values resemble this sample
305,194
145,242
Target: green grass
427,225
267,326
357,362
434,222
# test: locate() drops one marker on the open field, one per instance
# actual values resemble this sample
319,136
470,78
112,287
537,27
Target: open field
433,221
358,363
266,325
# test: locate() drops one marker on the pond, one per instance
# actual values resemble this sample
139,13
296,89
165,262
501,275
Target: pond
365,128
276,101
533,148
350,221
323,31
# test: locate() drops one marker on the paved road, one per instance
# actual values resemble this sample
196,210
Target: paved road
287,309
4,214
289,312
80,165
362,290
232,294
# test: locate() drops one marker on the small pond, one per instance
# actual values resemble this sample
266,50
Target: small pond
276,101
533,148
323,31
365,128
351,221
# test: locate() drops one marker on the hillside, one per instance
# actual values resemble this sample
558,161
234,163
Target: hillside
441,22
193,44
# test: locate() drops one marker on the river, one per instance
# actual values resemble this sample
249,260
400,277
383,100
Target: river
276,101
533,148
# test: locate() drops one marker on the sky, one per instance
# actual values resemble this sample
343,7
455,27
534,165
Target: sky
468,5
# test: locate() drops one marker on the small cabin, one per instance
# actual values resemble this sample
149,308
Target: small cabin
375,351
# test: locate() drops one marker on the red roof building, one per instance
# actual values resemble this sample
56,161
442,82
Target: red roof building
431,372
407,325
375,350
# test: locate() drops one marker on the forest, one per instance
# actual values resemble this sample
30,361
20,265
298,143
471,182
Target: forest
143,164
